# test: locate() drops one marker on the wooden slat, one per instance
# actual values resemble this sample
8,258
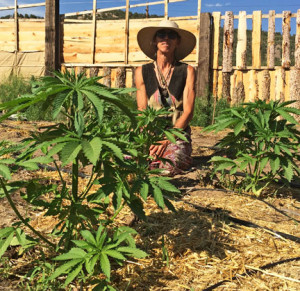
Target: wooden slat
256,40
241,50
295,89
280,84
271,40
126,33
166,9
94,30
266,85
22,6
198,27
216,39
253,86
286,28
238,94
228,42
297,41
16,27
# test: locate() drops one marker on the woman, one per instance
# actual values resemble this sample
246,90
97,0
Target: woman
168,83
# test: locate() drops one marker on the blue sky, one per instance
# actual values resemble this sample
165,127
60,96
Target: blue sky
186,8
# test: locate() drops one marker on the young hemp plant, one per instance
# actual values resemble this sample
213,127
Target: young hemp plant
87,136
264,144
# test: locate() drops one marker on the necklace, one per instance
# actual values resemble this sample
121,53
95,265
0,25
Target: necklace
163,79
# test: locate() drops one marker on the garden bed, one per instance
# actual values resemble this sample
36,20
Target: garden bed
217,240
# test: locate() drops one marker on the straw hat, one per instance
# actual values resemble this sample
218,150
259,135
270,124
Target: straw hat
145,39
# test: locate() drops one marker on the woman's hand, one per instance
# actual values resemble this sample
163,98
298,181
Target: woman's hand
157,150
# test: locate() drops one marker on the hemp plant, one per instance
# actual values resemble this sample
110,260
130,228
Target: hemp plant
114,148
263,144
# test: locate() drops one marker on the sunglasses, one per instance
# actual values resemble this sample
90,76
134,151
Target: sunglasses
164,33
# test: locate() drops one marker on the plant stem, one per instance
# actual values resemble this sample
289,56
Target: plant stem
13,206
117,212
75,180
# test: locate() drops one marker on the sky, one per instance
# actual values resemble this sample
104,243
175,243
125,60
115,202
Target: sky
185,8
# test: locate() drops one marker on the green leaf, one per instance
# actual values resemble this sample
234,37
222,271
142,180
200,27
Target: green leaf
5,243
90,263
88,236
275,163
97,103
225,165
170,136
79,122
287,116
4,172
166,185
238,128
73,274
115,149
92,149
115,254
137,253
105,265
69,152
74,253
158,196
59,101
64,268
288,172
144,190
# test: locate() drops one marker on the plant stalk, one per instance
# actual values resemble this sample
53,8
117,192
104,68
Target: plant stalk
13,206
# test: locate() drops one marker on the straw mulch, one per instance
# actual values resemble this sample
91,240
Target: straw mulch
217,240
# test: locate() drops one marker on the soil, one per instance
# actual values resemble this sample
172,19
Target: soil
217,239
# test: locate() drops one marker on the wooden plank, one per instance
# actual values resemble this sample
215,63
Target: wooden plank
266,85
297,41
238,94
52,36
228,42
241,50
280,84
94,29
295,89
126,33
253,86
216,38
271,40
16,27
203,69
256,40
107,76
22,6
166,6
286,28
120,77
198,26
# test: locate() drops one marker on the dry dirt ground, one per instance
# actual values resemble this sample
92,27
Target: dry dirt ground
217,239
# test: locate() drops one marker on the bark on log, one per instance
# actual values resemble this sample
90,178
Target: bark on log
295,89
121,77
286,28
241,50
226,87
271,40
266,85
94,72
297,41
228,42
107,76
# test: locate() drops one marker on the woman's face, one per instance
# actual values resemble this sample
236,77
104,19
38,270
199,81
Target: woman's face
166,41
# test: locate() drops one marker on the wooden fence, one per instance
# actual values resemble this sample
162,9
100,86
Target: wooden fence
109,48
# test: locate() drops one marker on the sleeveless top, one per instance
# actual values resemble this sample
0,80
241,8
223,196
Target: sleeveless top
158,97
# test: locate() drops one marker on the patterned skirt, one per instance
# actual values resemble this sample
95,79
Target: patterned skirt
179,156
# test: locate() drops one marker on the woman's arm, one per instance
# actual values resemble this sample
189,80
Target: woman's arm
188,100
141,95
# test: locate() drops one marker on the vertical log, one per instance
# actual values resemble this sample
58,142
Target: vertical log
120,77
238,95
94,30
226,86
16,27
228,42
295,89
107,76
271,40
52,36
280,84
94,72
203,69
256,40
126,32
133,77
253,86
266,85
297,41
198,27
241,49
166,9
216,43
286,28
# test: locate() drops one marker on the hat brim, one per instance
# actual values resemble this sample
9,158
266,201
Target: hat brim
145,40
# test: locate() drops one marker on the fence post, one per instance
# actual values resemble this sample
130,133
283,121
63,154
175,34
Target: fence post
52,24
204,57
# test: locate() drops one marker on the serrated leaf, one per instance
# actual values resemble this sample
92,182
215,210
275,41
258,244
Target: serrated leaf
58,102
5,243
73,274
137,253
144,190
64,268
158,196
287,116
166,185
69,152
115,254
238,128
105,265
115,149
92,149
90,263
74,253
170,136
88,236
5,172
288,172
79,123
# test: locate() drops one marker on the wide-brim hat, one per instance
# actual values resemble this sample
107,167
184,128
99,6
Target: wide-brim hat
145,39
